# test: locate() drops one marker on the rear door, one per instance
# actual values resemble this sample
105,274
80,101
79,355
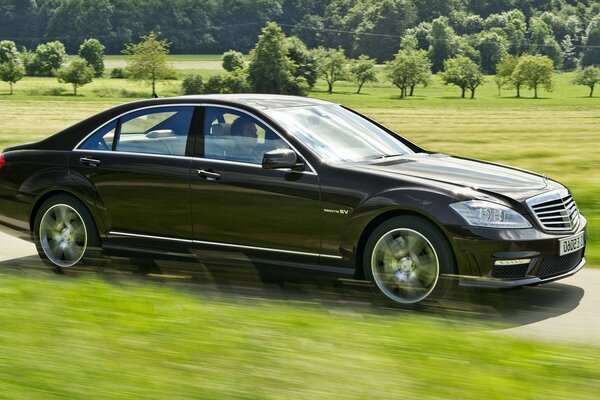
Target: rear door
139,168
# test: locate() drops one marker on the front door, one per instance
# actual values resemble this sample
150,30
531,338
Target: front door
238,204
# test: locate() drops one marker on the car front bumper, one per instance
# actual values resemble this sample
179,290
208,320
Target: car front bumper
479,251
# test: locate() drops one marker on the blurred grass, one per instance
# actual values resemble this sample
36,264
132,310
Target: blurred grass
557,135
87,338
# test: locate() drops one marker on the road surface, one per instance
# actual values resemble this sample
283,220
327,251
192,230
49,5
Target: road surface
566,311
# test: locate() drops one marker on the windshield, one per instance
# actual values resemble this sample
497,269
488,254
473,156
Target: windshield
338,135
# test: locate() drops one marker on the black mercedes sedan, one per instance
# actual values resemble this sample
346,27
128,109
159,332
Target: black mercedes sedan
288,181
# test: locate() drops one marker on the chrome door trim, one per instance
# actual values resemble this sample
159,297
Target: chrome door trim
239,246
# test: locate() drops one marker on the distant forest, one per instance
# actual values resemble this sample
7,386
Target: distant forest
374,28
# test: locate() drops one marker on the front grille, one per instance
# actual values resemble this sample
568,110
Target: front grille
555,211
556,265
510,271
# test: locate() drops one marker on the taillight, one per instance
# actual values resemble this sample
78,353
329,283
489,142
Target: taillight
2,161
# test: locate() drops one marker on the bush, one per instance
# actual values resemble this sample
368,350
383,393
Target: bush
233,60
214,84
193,84
118,73
235,82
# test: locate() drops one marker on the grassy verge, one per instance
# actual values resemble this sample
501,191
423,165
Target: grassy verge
65,338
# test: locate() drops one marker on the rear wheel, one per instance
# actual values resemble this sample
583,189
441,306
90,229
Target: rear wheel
65,233
406,257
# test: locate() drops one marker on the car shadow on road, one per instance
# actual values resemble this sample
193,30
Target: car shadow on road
252,282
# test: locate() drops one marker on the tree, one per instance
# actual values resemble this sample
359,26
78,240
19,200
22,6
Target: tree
310,30
464,73
588,76
303,59
333,65
148,60
371,18
534,71
11,72
363,70
543,42
409,68
92,51
444,43
46,59
569,54
591,55
504,74
270,69
421,33
78,73
8,51
233,60
492,49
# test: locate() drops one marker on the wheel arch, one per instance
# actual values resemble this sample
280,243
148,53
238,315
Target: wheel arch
54,192
378,220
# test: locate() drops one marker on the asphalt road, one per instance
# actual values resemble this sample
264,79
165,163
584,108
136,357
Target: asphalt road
565,311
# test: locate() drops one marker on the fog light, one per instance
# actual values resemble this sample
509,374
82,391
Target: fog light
513,262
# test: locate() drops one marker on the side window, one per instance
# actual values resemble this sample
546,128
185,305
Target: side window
101,140
235,136
155,131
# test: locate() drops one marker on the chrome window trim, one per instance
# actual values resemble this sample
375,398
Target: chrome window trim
76,148
154,155
124,114
240,246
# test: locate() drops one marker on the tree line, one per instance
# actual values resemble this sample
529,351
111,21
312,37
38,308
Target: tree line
284,65
565,30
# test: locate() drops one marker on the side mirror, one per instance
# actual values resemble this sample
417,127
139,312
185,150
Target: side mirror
281,158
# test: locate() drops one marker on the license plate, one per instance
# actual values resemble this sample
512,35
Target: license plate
571,244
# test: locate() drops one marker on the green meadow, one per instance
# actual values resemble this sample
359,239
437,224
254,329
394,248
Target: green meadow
81,337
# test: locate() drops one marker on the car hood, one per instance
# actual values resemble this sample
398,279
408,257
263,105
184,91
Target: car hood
478,175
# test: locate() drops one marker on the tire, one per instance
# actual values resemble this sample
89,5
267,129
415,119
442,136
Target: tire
407,258
65,234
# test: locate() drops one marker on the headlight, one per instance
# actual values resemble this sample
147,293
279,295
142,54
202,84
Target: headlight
489,215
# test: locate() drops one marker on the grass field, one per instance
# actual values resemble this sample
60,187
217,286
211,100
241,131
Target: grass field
82,338
87,338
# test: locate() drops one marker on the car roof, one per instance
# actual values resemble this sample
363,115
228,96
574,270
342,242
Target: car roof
258,101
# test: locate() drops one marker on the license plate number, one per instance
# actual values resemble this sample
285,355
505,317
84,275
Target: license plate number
571,244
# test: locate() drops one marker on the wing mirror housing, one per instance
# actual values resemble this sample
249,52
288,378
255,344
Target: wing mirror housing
281,158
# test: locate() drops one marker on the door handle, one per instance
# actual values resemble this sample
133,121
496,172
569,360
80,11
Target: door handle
92,162
209,175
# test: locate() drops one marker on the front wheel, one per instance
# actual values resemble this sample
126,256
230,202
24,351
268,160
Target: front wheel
64,232
405,257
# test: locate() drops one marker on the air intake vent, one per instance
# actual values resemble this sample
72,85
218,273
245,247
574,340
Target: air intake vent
555,211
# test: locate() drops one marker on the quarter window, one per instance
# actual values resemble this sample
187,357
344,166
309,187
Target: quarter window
101,140
235,136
